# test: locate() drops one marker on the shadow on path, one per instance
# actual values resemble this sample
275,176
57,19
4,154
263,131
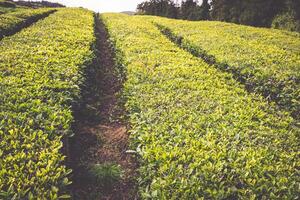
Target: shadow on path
101,167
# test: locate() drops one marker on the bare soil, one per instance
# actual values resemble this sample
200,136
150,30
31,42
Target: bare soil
101,134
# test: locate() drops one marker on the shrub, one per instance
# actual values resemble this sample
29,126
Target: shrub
12,22
105,174
198,133
7,4
266,61
286,21
41,71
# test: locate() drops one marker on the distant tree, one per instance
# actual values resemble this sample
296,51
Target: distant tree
204,10
293,6
261,12
165,8
173,10
249,12
289,18
189,9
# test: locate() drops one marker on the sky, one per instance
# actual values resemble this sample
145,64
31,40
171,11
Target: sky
102,5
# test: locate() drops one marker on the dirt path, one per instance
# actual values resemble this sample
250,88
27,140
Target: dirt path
102,168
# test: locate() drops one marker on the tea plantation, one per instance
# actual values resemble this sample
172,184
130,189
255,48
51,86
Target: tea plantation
212,108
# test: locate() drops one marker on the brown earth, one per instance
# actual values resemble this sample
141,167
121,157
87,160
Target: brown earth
101,134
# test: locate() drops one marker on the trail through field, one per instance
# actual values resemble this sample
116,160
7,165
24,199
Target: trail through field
102,168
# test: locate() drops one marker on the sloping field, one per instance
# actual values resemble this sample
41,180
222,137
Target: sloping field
197,99
266,61
8,6
199,133
40,74
12,22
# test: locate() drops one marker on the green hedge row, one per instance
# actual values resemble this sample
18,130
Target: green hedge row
198,133
14,21
7,4
41,70
267,61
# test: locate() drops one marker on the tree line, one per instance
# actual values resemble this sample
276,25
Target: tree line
262,13
189,9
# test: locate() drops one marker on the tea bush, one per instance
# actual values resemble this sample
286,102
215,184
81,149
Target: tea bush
198,133
267,61
41,69
14,21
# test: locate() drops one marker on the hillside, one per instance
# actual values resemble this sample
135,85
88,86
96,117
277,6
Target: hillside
128,12
12,6
265,61
114,106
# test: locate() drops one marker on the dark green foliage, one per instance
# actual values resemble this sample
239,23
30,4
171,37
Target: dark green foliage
189,9
105,174
286,21
249,12
289,18
294,6
7,4
165,8
205,10
283,14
